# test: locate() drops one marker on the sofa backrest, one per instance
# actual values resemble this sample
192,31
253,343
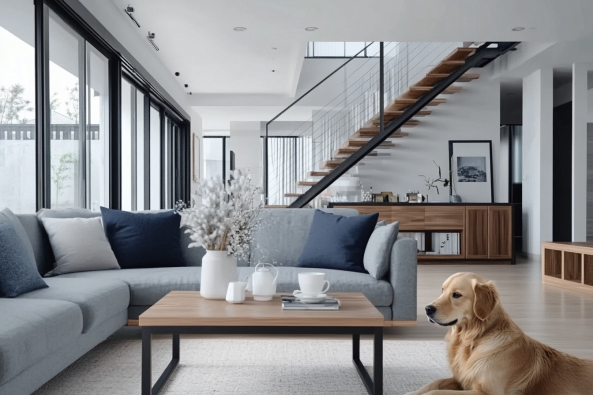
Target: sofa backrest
44,255
283,234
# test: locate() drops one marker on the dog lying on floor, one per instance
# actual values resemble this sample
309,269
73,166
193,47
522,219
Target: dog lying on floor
490,355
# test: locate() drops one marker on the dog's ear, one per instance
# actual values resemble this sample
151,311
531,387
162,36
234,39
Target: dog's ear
485,298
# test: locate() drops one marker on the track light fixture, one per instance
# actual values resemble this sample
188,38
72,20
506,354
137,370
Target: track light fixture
130,10
150,39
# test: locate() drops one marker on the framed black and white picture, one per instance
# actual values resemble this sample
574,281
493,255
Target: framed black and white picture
471,170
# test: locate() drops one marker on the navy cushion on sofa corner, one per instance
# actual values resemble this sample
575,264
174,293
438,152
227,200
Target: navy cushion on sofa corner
144,240
18,274
337,242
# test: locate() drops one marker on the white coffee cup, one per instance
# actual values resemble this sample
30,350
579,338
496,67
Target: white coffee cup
312,283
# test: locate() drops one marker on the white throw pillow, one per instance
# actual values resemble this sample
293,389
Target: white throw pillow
378,250
79,245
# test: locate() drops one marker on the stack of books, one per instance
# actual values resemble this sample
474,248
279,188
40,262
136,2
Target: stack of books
290,302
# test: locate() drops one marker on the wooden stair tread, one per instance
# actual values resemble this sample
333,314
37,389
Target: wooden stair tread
467,77
373,133
400,103
460,53
416,91
318,173
307,183
345,152
447,66
293,195
360,143
333,163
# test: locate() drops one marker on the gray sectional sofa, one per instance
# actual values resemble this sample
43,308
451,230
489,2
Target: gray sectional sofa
44,331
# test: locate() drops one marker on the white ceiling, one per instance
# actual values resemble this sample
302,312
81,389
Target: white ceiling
196,37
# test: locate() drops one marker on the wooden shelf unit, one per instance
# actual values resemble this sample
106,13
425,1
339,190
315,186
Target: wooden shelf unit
568,265
485,230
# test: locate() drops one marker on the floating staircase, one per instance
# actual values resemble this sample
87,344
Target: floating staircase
399,116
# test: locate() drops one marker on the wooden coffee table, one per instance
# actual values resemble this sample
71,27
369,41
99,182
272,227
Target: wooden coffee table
186,312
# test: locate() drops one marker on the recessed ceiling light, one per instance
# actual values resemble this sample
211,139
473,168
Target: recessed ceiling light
310,29
274,48
273,71
239,29
518,29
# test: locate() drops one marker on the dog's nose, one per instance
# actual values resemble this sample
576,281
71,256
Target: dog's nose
430,310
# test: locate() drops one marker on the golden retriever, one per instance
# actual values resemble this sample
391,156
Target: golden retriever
490,355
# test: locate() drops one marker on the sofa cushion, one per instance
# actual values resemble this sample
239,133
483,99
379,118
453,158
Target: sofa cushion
79,245
144,240
44,256
32,329
284,233
378,292
98,299
337,242
147,286
18,274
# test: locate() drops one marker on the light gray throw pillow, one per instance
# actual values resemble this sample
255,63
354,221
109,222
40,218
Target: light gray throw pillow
9,217
378,250
79,245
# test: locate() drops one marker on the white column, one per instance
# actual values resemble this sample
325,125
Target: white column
579,152
246,144
537,159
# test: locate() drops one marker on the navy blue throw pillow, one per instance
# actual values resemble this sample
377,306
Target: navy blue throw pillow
18,274
337,242
143,240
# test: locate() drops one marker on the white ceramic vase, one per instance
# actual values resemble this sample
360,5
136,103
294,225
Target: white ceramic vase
218,270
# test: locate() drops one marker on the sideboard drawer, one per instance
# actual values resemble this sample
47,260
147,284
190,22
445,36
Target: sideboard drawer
444,217
410,217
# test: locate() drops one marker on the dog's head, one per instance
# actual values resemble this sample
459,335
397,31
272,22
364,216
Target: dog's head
466,298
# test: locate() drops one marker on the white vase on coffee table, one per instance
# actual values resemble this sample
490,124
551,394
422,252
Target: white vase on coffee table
218,270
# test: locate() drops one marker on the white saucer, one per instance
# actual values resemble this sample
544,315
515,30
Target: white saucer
309,299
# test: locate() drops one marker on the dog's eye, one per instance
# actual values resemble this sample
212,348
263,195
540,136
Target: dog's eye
456,295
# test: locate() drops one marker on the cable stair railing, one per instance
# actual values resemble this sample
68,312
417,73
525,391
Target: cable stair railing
357,125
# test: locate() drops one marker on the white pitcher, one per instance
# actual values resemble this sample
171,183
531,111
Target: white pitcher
262,282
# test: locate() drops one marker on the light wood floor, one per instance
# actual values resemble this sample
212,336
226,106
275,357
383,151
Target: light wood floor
560,318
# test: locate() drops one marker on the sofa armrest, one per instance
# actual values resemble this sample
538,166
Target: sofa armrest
403,276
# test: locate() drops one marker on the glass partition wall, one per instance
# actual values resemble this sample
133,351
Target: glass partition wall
80,126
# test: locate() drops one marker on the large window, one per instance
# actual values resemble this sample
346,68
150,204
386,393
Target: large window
132,148
17,106
79,115
66,138
217,157
155,159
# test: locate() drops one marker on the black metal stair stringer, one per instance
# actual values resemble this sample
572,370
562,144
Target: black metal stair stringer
483,55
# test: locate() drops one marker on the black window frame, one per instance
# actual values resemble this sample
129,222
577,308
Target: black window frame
81,21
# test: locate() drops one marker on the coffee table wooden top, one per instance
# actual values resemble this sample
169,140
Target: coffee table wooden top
188,308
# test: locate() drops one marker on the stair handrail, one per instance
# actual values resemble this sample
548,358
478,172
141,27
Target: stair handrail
293,104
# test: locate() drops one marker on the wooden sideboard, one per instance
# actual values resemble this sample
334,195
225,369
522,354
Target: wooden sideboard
485,230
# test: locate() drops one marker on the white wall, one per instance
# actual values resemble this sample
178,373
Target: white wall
472,114
246,144
537,159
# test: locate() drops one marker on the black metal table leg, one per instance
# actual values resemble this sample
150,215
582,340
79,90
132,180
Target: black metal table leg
374,386
378,361
170,368
146,362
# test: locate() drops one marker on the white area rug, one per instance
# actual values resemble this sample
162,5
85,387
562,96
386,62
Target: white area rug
251,366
